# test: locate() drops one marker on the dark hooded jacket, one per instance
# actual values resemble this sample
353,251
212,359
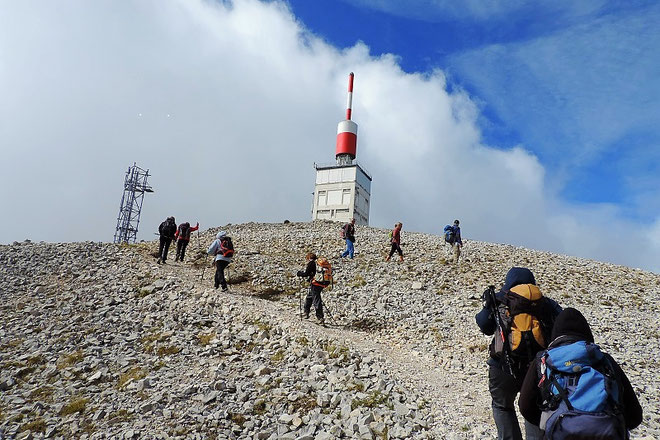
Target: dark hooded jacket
571,326
167,229
515,277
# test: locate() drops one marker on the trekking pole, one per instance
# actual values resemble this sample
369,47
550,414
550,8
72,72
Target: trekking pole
500,328
228,278
203,269
329,312
300,312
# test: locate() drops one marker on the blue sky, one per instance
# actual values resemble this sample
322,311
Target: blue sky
577,83
534,123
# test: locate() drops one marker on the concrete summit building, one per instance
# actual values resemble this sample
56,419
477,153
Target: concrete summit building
343,190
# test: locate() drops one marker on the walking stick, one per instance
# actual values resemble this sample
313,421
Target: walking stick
203,269
329,312
228,277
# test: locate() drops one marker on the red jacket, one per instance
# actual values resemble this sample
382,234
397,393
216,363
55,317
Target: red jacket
187,237
396,235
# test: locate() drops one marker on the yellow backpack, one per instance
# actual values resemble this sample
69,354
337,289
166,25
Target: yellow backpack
524,315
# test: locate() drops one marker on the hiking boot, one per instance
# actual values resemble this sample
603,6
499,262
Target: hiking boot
306,315
224,289
159,260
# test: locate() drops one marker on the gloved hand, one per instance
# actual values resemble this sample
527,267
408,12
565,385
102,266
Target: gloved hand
300,273
487,299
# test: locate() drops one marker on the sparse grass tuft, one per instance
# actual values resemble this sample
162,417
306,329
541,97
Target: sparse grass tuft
119,416
24,373
375,398
11,344
358,281
44,394
70,359
135,373
261,325
205,339
259,407
356,386
477,347
302,341
36,360
335,351
277,357
237,418
75,406
149,341
167,350
38,425
304,404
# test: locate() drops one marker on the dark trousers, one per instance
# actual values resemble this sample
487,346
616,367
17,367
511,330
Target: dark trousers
220,273
181,249
314,297
503,390
396,248
164,247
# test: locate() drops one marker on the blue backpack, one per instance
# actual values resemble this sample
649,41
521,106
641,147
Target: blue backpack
450,234
581,396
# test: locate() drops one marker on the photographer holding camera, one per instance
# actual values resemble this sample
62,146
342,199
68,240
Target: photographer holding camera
521,319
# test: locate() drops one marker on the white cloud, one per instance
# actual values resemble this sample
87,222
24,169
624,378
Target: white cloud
253,100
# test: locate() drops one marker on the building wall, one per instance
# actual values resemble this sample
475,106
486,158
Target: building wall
339,195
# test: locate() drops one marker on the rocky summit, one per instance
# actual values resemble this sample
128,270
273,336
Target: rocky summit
98,341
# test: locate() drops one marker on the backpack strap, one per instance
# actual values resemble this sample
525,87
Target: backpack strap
562,392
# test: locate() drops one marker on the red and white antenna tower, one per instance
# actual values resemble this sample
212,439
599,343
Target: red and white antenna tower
347,131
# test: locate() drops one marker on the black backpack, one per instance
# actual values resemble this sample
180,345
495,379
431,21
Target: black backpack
162,228
527,325
184,231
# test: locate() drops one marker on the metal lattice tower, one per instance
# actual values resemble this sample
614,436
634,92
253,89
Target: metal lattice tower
135,185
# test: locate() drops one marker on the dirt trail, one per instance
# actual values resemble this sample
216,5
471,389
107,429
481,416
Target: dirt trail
445,391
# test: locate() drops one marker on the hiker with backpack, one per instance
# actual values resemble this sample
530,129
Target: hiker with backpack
182,237
317,281
167,231
395,241
521,319
574,390
453,237
222,249
348,233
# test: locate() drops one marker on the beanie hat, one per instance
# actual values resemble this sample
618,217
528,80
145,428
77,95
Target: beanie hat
517,276
570,322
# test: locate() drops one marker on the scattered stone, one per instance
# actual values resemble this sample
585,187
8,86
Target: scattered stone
97,336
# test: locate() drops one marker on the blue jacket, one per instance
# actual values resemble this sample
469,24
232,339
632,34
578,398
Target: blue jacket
457,234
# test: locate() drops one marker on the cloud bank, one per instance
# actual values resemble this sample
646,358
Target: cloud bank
229,105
